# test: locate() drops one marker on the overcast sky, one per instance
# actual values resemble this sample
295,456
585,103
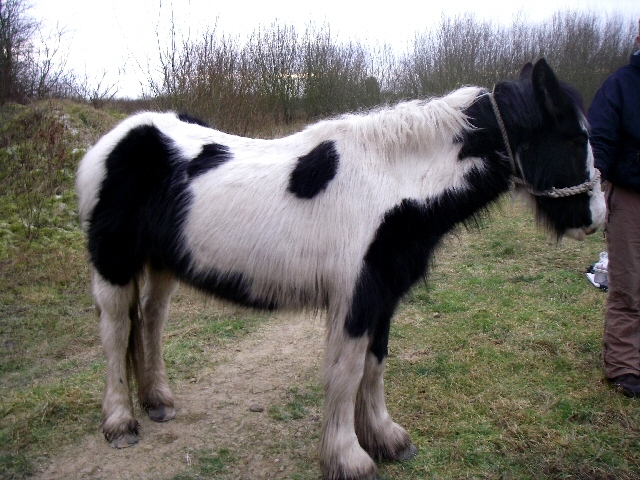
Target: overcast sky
119,36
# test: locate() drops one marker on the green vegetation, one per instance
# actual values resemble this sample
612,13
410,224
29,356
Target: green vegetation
297,404
208,465
495,364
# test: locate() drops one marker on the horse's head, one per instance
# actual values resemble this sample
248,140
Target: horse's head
552,157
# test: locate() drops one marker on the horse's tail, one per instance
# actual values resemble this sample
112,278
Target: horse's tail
120,182
135,349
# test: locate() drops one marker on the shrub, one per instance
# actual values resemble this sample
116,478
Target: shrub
280,76
36,165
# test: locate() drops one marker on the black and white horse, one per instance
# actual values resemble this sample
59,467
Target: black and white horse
342,216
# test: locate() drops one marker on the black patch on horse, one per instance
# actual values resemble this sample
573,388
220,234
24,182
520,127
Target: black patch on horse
212,155
137,170
404,243
143,202
235,287
484,139
314,171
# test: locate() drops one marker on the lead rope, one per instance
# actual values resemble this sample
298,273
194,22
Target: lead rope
505,137
518,173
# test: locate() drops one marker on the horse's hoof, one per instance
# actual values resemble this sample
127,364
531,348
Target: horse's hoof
162,413
124,441
406,454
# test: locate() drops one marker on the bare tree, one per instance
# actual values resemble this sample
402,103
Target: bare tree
32,60
96,92
17,29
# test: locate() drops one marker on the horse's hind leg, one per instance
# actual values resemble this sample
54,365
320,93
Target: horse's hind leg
115,305
153,385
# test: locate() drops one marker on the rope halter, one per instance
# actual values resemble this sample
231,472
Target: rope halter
518,173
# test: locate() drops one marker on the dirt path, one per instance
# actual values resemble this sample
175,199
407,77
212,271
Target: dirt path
213,415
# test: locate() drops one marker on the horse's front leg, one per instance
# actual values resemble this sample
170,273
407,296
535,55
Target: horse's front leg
377,432
341,456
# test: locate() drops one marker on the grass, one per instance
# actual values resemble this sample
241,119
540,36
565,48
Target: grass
297,404
208,464
49,360
494,367
495,364
52,374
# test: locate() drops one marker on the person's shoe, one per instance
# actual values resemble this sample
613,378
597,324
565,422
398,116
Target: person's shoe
628,384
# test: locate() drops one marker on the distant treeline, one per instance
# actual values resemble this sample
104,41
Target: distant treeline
283,75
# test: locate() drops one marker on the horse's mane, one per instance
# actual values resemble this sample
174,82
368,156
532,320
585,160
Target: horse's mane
407,126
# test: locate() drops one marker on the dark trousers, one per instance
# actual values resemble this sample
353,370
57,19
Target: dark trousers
621,341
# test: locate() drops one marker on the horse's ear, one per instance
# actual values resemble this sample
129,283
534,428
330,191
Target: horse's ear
525,73
548,91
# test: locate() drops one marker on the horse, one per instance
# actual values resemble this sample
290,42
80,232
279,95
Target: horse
343,216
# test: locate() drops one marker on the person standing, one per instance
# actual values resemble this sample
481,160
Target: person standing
614,116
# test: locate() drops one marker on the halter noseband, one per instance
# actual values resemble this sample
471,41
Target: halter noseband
518,173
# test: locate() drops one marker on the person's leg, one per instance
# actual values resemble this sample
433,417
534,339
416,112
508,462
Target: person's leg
622,317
